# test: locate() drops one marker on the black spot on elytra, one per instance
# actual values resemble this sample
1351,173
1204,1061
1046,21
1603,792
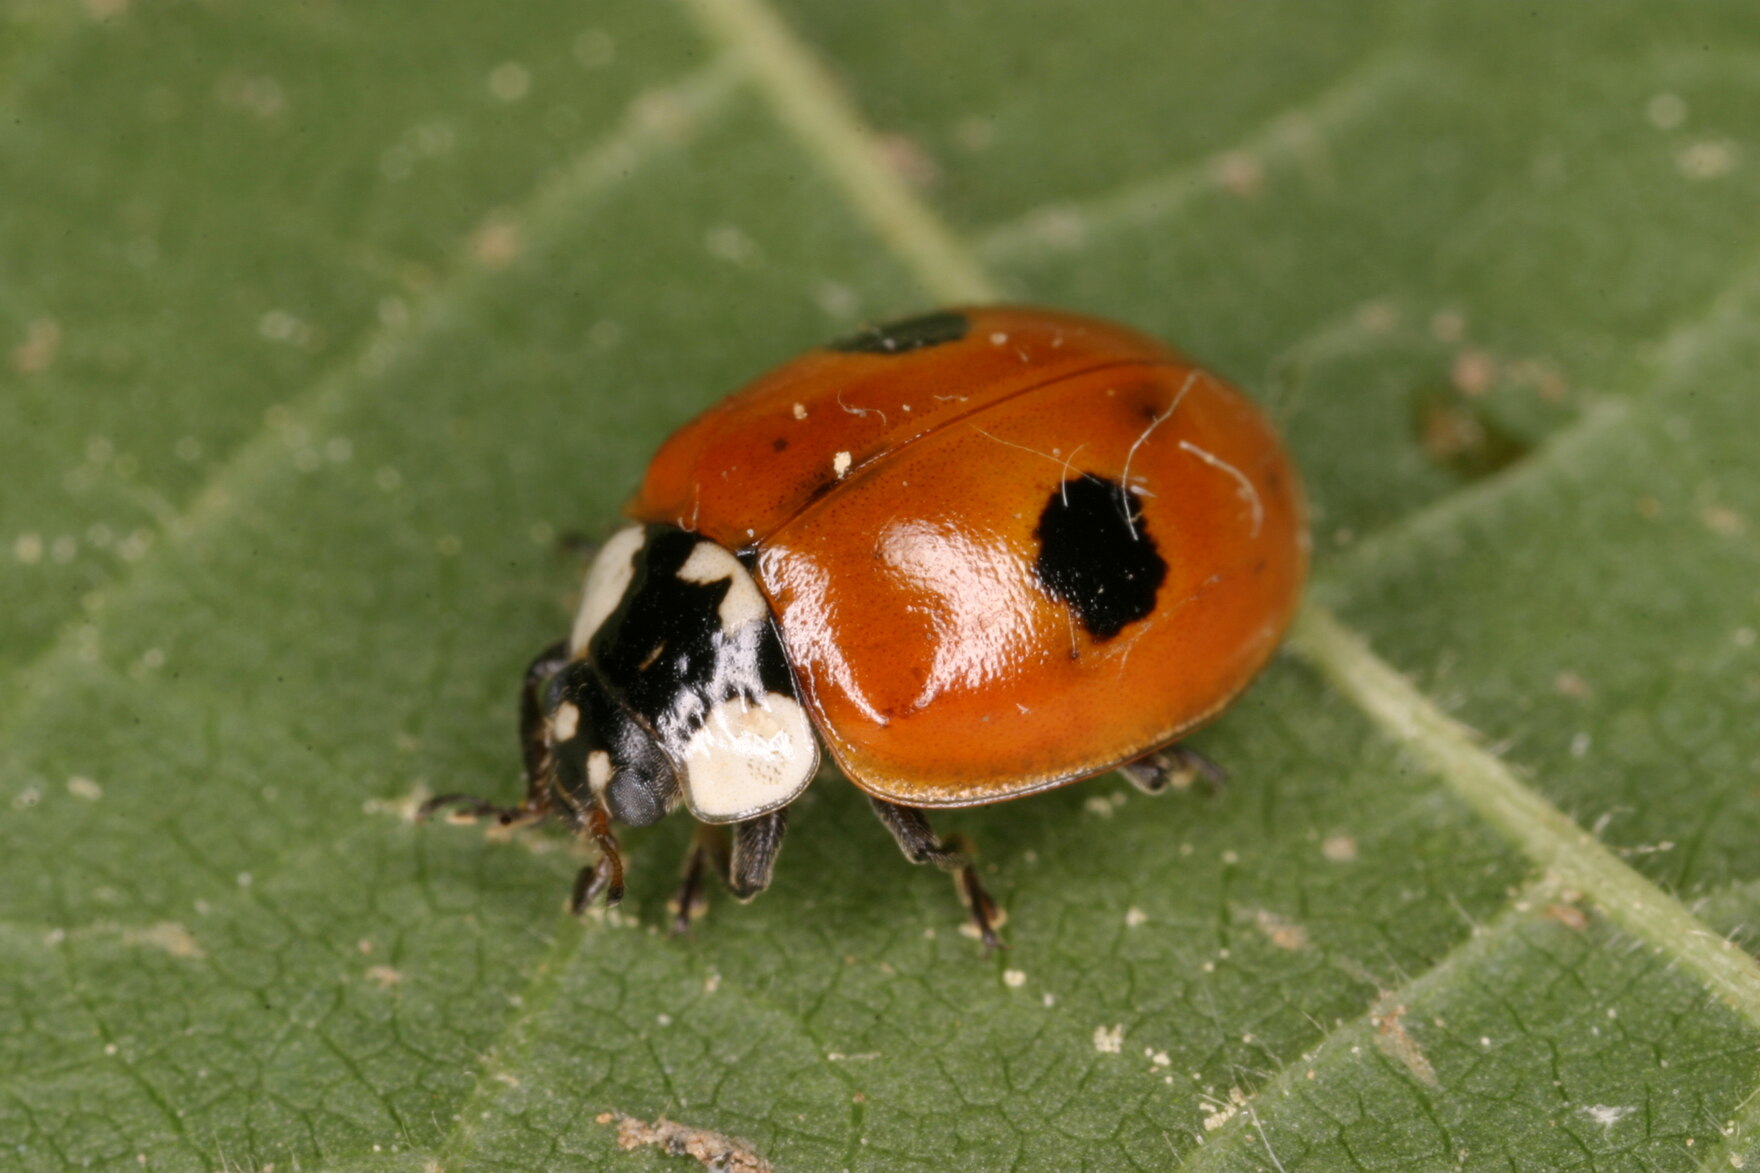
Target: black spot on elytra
779,445
1096,556
905,334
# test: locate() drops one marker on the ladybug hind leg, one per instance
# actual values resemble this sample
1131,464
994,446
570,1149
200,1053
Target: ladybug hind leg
1174,767
954,854
744,859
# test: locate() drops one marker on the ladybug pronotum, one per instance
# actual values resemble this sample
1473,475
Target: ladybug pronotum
978,553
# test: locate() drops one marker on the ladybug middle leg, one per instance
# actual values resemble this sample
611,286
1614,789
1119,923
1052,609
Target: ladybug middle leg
1174,767
954,854
745,866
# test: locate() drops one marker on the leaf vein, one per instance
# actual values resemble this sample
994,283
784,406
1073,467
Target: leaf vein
1543,832
654,121
1067,225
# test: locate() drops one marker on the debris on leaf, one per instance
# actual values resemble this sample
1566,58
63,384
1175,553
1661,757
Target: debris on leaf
711,1149
1109,1041
1283,933
1392,1040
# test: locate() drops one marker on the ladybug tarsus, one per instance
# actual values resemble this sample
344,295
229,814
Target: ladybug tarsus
910,827
708,845
605,877
1176,767
601,879
745,866
984,912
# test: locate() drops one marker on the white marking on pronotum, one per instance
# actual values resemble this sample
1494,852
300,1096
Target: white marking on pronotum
598,772
1249,492
840,464
1124,481
607,580
742,604
567,721
749,759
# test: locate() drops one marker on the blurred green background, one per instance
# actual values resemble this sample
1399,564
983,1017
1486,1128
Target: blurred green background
320,322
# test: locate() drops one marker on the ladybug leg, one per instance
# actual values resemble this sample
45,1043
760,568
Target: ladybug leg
745,867
756,843
954,854
1174,768
604,878
534,753
537,803
708,849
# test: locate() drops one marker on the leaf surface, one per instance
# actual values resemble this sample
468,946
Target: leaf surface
324,322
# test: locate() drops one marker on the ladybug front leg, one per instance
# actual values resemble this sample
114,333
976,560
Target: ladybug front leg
605,877
534,752
534,747
1174,767
745,867
954,854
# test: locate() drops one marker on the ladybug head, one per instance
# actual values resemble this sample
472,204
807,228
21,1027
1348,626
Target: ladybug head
602,754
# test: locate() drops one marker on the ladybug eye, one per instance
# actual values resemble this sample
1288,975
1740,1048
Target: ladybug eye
635,798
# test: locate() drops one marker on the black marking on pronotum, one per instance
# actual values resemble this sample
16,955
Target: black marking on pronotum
701,664
1097,557
905,334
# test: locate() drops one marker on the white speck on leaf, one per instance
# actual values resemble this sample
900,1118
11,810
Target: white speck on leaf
1285,934
384,976
170,936
729,243
510,81
1666,110
1710,159
1605,1116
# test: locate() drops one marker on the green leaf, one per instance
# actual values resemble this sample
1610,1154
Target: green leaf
322,322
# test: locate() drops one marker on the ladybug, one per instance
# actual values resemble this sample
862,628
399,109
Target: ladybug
977,553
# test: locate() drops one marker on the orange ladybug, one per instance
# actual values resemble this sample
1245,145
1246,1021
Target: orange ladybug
980,553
